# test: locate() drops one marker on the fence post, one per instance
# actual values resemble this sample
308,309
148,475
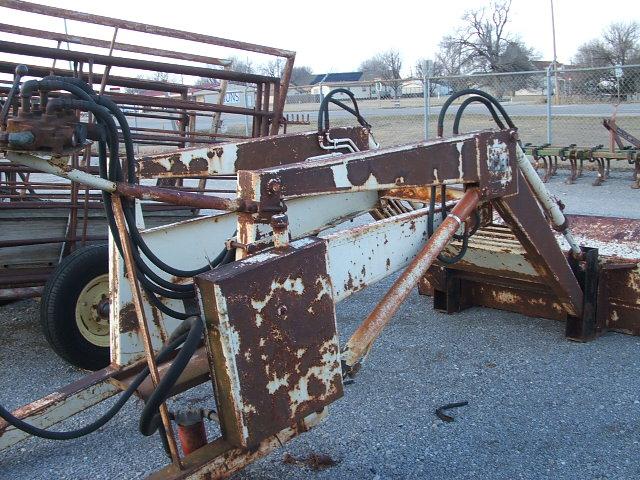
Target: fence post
549,104
426,87
246,117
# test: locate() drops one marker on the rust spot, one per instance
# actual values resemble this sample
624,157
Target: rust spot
128,318
198,165
155,318
348,286
314,461
215,152
177,166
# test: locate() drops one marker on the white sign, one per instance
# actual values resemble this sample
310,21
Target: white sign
232,98
619,71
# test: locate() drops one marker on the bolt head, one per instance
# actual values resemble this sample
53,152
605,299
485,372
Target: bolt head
274,185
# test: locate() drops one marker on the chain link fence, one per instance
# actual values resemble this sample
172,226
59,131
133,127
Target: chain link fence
561,107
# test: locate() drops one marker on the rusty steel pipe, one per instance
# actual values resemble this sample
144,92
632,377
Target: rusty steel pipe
361,341
141,27
143,324
150,65
8,294
186,199
141,192
123,47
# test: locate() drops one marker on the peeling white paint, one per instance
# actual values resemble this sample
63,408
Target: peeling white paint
289,285
275,383
459,146
326,372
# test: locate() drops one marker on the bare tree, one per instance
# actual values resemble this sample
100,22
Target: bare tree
242,66
273,68
163,77
483,44
386,67
301,75
619,45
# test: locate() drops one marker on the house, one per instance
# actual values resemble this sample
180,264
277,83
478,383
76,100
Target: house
361,85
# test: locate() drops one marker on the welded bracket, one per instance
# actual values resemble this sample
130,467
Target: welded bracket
587,272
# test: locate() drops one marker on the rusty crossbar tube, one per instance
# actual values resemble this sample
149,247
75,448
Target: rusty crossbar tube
143,28
362,339
124,47
186,134
115,81
185,199
151,65
141,100
48,240
20,292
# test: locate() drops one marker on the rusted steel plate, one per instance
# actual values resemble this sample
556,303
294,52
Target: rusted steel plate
612,236
273,340
519,297
528,223
365,254
463,159
498,274
619,298
228,158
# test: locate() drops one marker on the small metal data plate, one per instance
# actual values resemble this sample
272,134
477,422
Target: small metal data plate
272,340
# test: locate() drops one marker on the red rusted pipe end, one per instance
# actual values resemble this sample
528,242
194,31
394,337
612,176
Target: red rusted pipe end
192,437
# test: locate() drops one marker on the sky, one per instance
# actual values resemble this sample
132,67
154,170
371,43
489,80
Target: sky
335,36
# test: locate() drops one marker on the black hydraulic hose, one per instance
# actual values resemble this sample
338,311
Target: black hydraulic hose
443,208
137,239
170,290
323,111
149,420
475,99
430,221
162,355
72,84
102,107
149,288
471,91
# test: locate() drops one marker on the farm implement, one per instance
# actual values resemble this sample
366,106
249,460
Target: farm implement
243,298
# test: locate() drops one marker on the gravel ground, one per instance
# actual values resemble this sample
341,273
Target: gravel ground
539,406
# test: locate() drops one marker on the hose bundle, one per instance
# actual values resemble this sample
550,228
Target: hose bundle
492,104
189,332
105,110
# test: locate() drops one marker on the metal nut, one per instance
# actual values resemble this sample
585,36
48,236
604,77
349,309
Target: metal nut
274,186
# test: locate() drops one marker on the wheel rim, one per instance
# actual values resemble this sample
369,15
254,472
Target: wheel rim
92,311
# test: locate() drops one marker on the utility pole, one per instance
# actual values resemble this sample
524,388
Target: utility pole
555,57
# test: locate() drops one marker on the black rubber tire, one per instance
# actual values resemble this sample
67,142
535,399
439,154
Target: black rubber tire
58,307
